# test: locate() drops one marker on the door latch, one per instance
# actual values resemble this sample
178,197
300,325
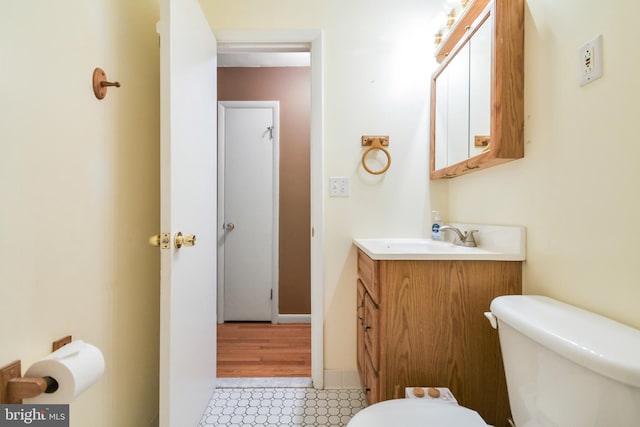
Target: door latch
163,240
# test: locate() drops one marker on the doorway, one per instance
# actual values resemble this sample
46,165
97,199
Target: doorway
313,40
291,85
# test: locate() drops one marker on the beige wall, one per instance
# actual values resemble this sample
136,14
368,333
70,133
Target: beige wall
576,188
79,195
290,86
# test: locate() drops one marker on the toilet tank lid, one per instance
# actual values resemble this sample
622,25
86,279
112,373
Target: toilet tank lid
588,339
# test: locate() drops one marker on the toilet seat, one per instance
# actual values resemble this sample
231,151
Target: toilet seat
416,413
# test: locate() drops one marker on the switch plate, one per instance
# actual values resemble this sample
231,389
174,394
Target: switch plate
339,186
590,57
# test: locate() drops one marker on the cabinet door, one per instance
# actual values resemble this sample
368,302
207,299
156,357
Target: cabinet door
436,333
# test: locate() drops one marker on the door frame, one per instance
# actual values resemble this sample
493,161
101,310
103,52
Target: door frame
275,107
313,40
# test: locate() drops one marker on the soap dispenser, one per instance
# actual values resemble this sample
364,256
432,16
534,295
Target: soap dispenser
436,234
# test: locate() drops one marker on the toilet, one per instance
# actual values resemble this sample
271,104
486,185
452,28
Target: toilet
564,367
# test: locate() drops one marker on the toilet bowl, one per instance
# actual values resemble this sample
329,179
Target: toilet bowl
416,413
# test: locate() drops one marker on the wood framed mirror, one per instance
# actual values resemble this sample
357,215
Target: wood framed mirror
477,93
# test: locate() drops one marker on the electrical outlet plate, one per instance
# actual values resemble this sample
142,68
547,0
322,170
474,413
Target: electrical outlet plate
590,60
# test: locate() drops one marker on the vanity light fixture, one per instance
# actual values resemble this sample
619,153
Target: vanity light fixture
454,9
438,38
451,18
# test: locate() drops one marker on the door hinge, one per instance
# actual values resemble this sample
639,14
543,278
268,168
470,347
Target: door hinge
271,295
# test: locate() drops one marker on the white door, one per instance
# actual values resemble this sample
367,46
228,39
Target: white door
248,202
188,205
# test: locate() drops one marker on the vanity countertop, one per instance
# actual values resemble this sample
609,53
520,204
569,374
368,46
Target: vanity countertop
495,243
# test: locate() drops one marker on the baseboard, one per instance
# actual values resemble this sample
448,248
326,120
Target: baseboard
341,379
292,382
293,318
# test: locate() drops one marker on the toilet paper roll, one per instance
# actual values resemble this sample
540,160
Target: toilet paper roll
76,367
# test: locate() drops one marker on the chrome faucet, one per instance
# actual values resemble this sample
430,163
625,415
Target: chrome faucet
465,239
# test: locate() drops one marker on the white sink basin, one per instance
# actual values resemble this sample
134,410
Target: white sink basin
495,243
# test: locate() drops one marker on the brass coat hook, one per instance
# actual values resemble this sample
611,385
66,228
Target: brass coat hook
100,83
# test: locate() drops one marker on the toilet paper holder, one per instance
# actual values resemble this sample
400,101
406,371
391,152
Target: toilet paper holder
14,387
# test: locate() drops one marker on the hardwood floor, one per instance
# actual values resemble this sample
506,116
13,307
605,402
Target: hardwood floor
264,350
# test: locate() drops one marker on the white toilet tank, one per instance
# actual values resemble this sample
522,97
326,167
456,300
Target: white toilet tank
567,367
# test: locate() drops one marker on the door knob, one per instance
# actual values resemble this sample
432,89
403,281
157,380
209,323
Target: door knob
188,240
228,226
161,240
154,240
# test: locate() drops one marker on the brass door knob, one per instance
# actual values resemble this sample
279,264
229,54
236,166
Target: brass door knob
154,240
187,240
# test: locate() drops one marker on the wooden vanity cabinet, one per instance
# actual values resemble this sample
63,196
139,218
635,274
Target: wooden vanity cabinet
421,323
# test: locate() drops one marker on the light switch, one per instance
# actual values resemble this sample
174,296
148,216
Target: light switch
339,186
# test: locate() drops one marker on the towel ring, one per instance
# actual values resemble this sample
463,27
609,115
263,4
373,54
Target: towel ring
375,143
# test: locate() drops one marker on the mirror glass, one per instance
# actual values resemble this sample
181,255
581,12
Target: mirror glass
462,100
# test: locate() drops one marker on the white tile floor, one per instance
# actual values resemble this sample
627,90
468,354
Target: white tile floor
281,407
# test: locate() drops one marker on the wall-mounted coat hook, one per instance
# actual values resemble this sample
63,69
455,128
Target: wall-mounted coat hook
100,83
